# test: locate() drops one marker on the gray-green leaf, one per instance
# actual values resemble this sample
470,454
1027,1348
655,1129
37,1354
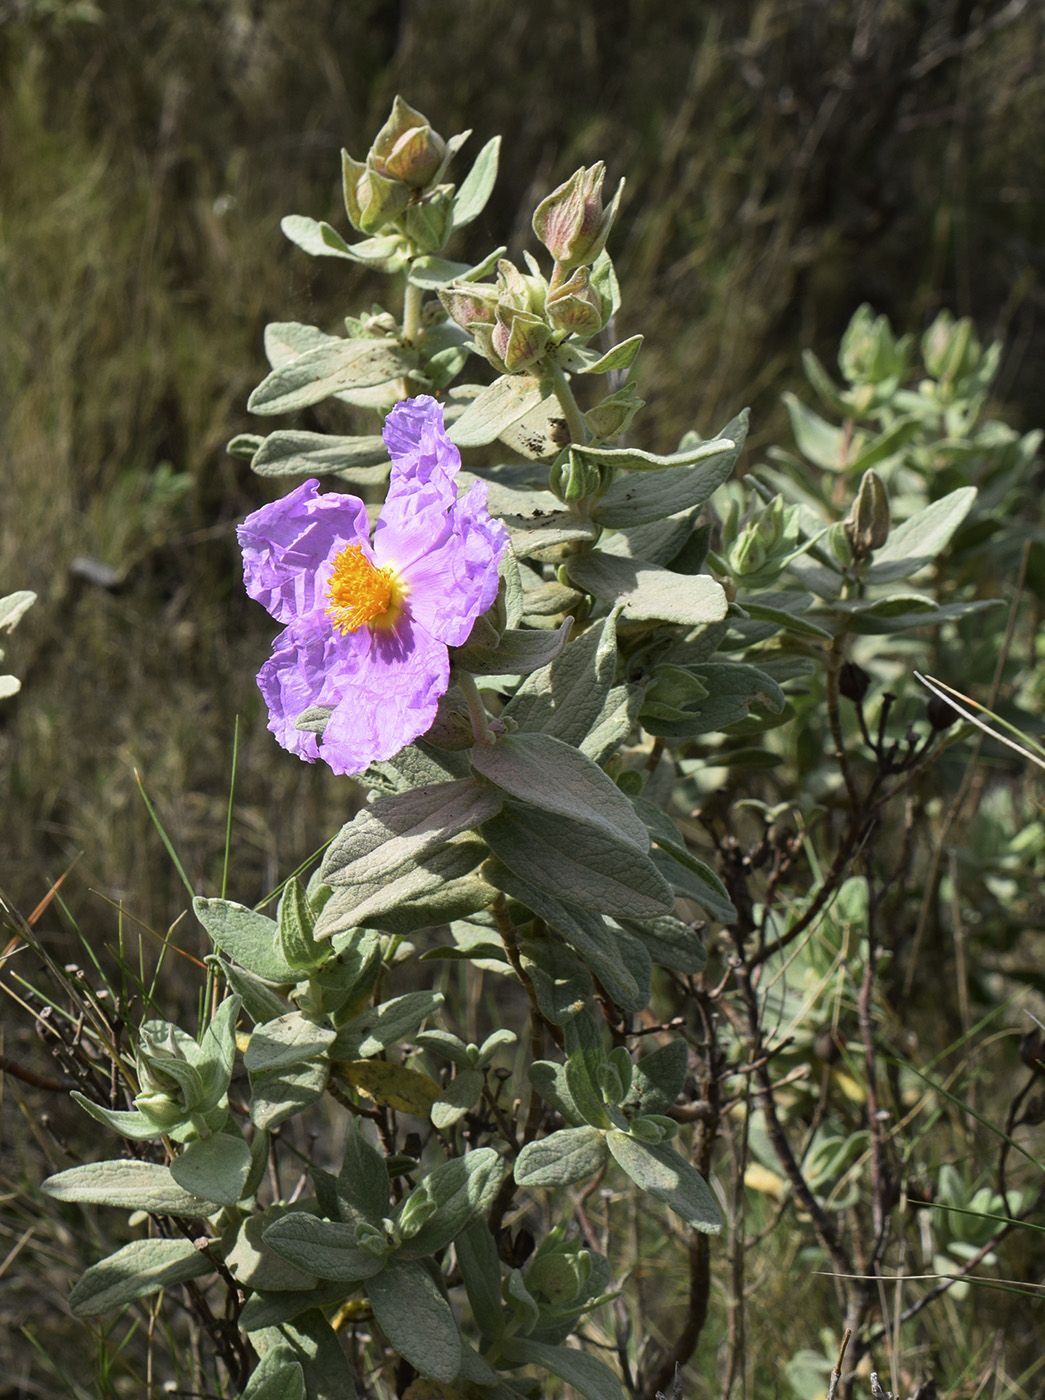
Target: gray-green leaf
646,592
545,772
330,369
416,1319
138,1269
215,1168
663,1173
578,863
129,1185
325,1248
571,1154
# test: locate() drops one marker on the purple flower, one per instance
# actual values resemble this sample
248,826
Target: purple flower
368,625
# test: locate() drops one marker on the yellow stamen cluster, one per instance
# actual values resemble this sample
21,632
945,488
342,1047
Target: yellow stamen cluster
359,592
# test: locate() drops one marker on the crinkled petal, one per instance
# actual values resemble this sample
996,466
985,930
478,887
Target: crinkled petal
393,698
288,545
422,455
311,664
449,563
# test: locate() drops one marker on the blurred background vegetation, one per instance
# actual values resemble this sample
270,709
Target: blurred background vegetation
785,162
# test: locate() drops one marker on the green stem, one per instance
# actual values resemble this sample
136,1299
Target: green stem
411,313
476,709
570,408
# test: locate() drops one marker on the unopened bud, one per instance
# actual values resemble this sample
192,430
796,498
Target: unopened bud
575,306
519,338
867,523
372,200
939,714
517,290
571,222
573,477
853,682
469,302
406,148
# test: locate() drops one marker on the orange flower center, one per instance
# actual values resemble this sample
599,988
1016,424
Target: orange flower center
359,593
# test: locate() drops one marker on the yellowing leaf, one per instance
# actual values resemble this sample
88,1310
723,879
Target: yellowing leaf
850,1087
760,1178
355,1310
392,1086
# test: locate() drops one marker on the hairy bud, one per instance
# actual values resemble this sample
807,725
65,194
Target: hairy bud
867,524
572,223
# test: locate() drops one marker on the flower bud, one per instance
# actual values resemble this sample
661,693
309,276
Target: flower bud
853,682
571,222
372,199
406,148
939,714
573,477
575,306
559,1272
950,349
519,338
516,290
867,524
468,303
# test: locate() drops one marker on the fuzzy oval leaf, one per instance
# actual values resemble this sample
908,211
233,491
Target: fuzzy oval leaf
663,1173
254,1265
324,1248
571,1154
330,369
416,1319
215,1168
639,500
388,838
670,942
601,949
648,593
138,1269
518,652
917,542
278,1376
129,1185
544,772
290,453
587,1375
494,408
280,1094
395,1020
292,1039
129,1124
578,863
245,935
461,1188
378,901
460,1095
477,186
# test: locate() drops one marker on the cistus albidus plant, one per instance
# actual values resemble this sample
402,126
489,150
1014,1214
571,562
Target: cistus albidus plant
565,678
